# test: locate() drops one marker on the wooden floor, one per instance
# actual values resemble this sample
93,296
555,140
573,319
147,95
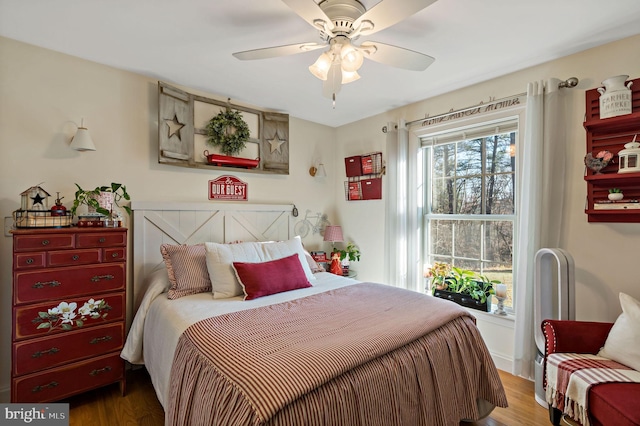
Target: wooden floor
106,407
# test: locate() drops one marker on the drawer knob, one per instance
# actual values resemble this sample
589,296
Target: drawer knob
114,255
45,352
45,242
100,371
102,240
75,257
53,283
100,339
97,278
47,386
30,261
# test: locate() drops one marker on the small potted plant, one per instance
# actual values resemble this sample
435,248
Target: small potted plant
350,254
115,193
615,194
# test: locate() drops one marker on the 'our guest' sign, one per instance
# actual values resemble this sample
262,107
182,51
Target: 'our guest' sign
227,188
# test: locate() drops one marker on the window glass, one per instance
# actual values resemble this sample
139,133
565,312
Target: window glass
469,191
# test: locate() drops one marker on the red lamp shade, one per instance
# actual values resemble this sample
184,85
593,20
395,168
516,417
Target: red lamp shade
333,233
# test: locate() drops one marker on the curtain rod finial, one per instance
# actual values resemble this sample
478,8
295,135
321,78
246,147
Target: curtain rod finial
570,82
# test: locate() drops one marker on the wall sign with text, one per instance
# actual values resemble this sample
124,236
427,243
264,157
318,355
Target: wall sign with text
228,188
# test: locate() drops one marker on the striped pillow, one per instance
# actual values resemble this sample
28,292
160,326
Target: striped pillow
187,269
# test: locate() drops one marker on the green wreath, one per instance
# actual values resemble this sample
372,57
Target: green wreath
228,131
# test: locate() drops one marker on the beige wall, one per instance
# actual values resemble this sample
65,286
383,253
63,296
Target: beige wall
42,92
606,254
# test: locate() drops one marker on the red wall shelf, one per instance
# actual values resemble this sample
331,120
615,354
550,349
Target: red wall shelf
611,134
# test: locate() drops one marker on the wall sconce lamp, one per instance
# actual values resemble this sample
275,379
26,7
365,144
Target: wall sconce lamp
82,140
318,171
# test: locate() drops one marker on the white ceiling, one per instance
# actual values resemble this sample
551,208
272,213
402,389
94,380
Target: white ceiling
190,43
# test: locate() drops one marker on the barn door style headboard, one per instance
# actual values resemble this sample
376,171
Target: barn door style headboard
156,223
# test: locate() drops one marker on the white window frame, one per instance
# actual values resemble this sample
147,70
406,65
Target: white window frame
459,125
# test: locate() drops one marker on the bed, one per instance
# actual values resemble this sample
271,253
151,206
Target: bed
326,350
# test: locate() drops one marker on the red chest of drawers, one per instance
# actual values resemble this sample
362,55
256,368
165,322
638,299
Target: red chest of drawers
69,298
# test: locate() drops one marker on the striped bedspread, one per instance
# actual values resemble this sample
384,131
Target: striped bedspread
366,354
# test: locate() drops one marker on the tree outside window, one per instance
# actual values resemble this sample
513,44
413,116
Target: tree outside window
470,201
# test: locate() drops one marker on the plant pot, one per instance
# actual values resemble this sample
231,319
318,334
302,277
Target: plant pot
105,200
616,196
464,300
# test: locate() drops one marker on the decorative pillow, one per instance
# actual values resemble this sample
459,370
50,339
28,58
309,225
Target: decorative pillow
623,343
270,277
221,256
313,265
187,269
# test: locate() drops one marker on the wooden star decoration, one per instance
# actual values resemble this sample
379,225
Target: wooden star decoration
276,143
174,127
38,199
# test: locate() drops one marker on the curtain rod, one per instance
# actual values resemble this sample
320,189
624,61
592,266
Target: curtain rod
570,82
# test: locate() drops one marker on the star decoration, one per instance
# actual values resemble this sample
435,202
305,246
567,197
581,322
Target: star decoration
174,126
37,200
276,143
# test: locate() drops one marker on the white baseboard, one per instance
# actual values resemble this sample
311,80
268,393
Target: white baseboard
502,362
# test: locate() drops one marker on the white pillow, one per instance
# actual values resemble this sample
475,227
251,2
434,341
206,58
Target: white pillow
623,342
220,258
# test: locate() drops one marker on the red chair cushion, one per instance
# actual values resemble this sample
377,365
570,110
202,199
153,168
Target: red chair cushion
615,404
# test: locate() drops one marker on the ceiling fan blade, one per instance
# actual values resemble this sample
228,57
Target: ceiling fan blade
272,52
395,56
388,13
310,12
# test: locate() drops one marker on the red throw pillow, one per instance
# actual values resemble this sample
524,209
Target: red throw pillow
274,276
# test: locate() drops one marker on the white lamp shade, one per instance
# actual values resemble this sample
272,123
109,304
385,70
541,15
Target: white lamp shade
333,233
321,171
348,77
352,58
82,140
321,66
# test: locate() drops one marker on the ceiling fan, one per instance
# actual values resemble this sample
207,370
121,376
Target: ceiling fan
340,23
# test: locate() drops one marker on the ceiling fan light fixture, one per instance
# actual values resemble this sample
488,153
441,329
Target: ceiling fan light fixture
320,67
349,76
352,58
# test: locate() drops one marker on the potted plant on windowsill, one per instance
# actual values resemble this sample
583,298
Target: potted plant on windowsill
101,197
462,286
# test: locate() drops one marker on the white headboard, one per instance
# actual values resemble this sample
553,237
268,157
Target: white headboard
156,223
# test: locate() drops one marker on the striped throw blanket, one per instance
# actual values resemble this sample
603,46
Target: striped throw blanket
570,376
366,354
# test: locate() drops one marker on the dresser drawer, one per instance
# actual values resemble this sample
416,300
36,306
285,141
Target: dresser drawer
58,383
115,254
29,260
42,353
42,242
73,257
31,320
101,239
57,284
